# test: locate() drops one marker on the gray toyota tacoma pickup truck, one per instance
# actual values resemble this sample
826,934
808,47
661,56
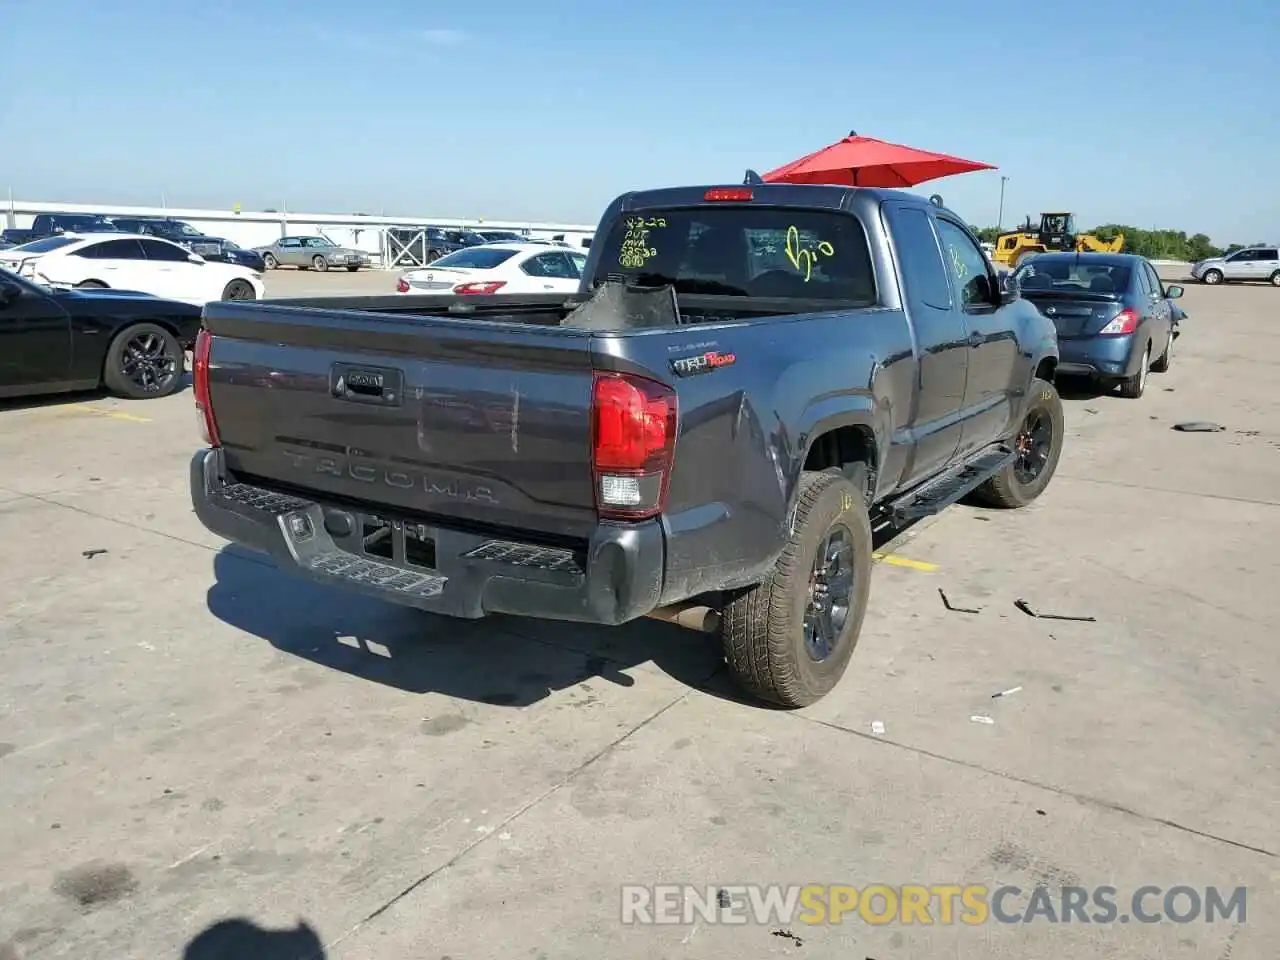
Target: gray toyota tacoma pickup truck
750,379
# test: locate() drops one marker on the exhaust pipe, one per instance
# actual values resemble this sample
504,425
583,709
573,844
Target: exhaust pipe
692,616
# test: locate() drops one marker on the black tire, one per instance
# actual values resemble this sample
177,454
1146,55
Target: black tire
319,263
1275,279
144,362
239,290
763,628
1212,277
353,269
91,285
1165,361
1132,388
269,261
432,256
1026,478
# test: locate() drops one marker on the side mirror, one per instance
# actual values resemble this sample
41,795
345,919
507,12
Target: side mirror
1008,287
9,292
195,258
1173,291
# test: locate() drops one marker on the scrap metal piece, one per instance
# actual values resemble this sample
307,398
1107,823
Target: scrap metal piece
954,609
1199,426
1026,608
90,554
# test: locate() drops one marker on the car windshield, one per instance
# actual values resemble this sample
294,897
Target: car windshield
497,236
186,230
742,251
43,246
1070,274
474,258
319,242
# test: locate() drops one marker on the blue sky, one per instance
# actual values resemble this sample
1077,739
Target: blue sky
1155,115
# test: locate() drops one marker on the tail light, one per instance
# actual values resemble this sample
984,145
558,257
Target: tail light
200,387
402,285
1126,321
633,437
480,289
728,193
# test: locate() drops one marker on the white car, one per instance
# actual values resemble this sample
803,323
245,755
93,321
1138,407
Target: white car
499,268
132,262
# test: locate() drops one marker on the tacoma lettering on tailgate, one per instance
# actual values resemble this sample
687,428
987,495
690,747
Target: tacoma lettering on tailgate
347,467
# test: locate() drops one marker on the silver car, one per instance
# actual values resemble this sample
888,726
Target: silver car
311,253
1251,263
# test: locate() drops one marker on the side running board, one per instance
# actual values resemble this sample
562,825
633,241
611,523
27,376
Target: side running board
949,486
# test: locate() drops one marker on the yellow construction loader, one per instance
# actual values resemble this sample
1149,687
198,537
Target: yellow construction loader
1057,231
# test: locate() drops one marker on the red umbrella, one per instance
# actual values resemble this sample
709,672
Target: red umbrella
867,162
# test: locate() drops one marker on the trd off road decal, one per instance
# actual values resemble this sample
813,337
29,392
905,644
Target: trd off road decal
702,363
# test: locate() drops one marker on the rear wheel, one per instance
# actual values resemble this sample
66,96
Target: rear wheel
1131,388
269,261
1275,279
789,640
1038,445
144,361
91,285
432,256
239,290
1163,364
1213,277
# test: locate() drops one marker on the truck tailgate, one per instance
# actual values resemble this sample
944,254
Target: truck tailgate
469,420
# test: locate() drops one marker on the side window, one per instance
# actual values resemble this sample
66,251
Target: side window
1153,279
920,258
534,267
159,250
966,264
288,242
579,264
1241,256
1144,283
114,250
1270,255
558,265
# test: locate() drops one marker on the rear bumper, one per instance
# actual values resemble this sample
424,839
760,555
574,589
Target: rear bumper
618,577
1097,356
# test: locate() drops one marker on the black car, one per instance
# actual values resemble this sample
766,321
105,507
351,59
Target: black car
180,232
53,224
1116,319
56,341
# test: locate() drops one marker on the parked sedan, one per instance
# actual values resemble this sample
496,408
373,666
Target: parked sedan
58,340
1251,263
132,262
514,268
311,253
1115,318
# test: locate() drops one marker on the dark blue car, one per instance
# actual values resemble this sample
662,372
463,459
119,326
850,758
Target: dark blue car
1116,320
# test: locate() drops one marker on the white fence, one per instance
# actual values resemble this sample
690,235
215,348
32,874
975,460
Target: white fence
260,227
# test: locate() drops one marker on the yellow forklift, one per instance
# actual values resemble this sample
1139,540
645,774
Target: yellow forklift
1057,231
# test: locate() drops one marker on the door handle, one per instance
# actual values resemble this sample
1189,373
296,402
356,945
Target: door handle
976,339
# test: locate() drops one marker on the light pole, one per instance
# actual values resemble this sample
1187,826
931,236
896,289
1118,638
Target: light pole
1000,215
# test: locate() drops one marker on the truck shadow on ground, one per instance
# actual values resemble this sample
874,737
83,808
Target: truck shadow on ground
80,396
239,939
500,660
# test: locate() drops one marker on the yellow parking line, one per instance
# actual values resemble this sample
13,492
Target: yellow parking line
896,561
112,414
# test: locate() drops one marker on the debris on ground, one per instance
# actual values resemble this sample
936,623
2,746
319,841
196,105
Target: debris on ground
1090,410
789,936
877,727
90,554
1026,608
954,609
1005,693
1199,426
722,899
980,718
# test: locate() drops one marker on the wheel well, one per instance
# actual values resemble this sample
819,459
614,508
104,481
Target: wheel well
1047,369
841,448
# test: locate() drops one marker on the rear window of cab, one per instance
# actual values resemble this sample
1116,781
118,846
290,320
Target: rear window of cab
744,252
